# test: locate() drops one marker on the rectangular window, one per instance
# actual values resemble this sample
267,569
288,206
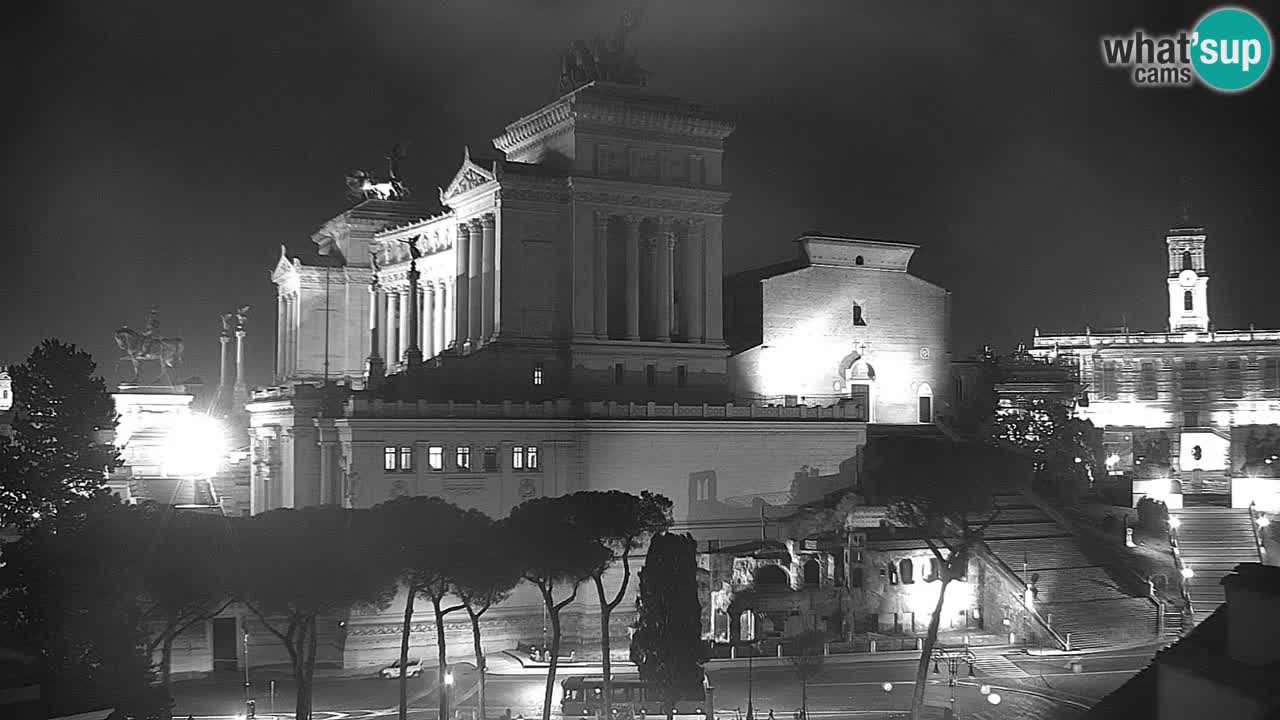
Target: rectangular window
1271,374
1109,390
1191,419
531,457
462,458
1233,383
1148,389
389,459
490,459
537,373
619,372
406,459
1193,377
650,375
517,457
435,457
682,375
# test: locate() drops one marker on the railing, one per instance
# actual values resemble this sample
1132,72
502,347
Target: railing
357,406
1177,557
1254,515
1011,576
1068,341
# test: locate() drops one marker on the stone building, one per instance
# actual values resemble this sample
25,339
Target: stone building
559,326
1191,410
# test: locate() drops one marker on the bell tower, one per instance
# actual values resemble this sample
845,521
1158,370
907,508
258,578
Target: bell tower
1188,280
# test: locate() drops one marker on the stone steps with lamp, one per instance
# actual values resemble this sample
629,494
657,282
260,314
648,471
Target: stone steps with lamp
1211,542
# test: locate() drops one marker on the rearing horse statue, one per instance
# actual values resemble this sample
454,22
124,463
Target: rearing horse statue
138,347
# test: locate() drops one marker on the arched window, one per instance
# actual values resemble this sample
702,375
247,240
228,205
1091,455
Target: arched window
857,260
1186,260
857,315
1188,303
935,570
771,576
812,573
908,571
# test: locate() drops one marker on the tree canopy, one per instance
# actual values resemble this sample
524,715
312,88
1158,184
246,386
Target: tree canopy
58,450
667,645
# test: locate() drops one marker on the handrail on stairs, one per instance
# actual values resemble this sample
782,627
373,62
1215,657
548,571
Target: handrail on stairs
1257,535
1182,582
1012,576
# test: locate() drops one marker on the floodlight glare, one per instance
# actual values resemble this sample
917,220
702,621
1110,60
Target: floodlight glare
194,447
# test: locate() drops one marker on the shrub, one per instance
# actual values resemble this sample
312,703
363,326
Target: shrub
1153,514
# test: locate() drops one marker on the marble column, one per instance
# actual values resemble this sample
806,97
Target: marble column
241,392
327,470
375,368
666,244
475,286
393,327
601,223
413,319
714,285
224,375
649,327
462,320
403,319
694,298
291,328
429,320
281,322
441,317
632,242
488,270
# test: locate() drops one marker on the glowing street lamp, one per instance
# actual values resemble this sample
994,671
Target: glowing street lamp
1187,572
1175,522
994,698
1263,521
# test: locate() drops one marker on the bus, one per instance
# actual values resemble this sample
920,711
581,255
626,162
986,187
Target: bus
631,698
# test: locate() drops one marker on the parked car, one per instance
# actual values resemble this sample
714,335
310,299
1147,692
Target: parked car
392,671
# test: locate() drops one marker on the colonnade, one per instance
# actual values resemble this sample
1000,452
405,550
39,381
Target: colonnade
435,300
669,276
287,322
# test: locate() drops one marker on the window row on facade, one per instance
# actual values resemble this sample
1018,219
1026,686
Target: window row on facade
1230,375
401,458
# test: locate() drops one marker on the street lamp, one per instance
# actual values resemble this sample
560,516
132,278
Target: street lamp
952,657
248,704
1187,572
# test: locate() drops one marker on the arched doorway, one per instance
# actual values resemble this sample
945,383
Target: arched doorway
772,576
812,573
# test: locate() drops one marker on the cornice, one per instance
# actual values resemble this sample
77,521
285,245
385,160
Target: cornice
533,125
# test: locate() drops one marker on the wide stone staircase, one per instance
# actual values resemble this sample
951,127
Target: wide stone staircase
1075,594
1212,541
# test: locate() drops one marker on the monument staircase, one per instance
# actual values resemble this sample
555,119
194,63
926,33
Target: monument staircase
1212,540
176,492
1076,595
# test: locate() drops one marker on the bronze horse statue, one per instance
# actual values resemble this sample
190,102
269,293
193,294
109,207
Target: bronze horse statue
138,347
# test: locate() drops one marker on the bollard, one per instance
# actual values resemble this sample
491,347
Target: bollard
1011,638
733,652
779,649
873,646
920,643
1077,667
1068,641
826,648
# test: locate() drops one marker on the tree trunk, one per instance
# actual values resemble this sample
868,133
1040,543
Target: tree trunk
554,614
480,663
804,699
405,630
442,650
311,663
302,694
166,659
931,637
606,663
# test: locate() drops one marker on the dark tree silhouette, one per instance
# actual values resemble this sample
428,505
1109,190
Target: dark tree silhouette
60,443
553,554
667,646
486,579
620,522
297,566
70,592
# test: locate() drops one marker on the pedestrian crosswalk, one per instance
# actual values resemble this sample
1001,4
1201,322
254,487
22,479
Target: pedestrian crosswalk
994,665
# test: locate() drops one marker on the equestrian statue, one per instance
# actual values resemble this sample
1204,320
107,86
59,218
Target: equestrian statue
137,347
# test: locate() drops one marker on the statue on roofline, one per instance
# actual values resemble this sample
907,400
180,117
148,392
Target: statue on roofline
607,60
362,185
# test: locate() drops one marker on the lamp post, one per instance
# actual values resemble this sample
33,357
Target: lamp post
952,657
248,704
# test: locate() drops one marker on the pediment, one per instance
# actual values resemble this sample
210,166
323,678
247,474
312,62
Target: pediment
469,177
284,268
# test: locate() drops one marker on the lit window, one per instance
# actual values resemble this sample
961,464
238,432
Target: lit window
537,373
1148,388
1271,373
907,570
682,375
531,457
406,459
389,459
490,458
1188,302
462,458
1109,390
397,459
435,457
650,375
517,457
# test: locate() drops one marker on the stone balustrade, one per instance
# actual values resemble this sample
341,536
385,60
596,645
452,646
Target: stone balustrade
360,407
1046,341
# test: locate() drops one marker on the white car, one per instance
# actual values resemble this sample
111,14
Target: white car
392,671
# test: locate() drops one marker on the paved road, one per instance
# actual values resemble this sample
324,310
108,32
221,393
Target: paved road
1049,690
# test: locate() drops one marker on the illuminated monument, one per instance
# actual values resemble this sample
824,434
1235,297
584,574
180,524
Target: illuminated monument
558,324
1193,410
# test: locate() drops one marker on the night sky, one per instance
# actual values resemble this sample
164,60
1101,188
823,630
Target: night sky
164,150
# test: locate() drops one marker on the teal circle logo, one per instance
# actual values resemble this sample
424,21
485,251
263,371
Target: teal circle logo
1231,49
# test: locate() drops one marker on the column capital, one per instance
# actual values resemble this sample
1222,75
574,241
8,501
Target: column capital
464,228
600,218
651,246
488,221
632,221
